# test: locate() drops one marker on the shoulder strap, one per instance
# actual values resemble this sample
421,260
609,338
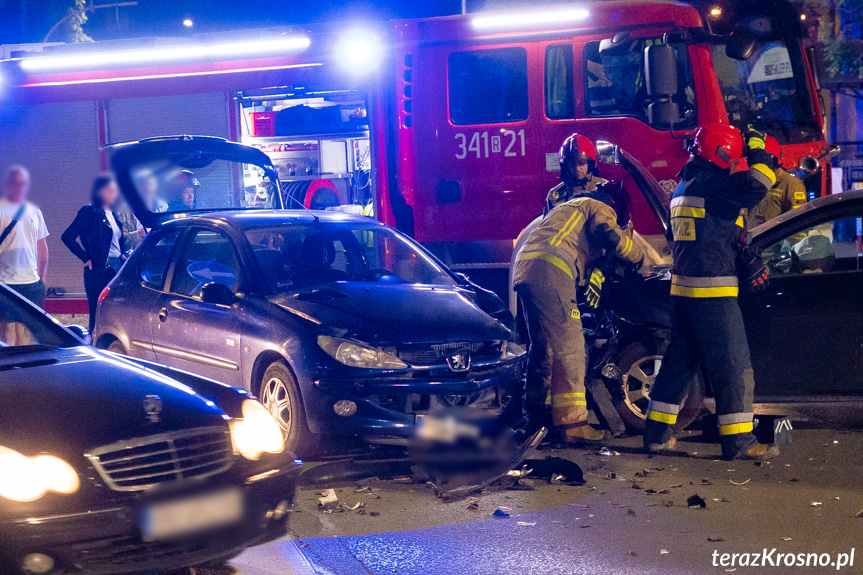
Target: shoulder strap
12,224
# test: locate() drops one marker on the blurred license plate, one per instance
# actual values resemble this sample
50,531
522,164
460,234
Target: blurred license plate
191,515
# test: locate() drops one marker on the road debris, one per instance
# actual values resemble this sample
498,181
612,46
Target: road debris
472,504
786,539
630,511
816,504
664,551
525,524
501,512
859,513
715,539
328,501
696,501
606,452
738,483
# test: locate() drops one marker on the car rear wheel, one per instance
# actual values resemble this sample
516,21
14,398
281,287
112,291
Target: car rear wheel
280,394
640,363
117,347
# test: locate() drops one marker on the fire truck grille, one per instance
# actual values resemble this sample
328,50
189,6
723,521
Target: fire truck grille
138,464
436,354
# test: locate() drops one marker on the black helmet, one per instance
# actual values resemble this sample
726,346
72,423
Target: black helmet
613,194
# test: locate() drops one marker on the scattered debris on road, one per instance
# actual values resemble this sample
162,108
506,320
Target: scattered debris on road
696,501
732,482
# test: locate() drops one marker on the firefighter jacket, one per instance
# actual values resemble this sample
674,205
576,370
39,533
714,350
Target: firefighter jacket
788,193
561,193
571,238
708,225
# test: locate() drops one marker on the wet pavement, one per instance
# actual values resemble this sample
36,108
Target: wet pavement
631,517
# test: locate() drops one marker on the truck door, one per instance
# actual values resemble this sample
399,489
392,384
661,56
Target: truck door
485,183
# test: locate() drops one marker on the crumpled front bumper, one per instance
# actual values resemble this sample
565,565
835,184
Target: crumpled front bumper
103,539
388,405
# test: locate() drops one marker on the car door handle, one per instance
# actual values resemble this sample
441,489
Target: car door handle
163,315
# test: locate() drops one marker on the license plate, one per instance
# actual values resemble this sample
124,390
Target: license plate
191,515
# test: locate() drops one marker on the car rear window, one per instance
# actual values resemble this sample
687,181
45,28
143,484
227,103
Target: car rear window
488,86
155,257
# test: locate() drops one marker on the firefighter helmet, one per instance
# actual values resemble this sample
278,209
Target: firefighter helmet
772,147
719,144
576,149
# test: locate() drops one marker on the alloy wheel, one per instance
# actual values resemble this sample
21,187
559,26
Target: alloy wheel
638,382
275,397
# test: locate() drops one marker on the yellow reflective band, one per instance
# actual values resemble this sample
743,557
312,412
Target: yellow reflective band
569,395
563,229
768,173
724,291
550,258
735,428
567,229
668,418
688,211
627,243
739,221
572,403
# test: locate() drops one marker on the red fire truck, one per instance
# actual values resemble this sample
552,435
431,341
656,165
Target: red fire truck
446,128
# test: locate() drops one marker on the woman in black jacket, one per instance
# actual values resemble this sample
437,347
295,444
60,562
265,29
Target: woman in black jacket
96,238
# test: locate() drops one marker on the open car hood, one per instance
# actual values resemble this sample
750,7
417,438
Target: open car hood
218,168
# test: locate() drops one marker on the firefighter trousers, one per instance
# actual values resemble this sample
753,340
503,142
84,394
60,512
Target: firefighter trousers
706,331
556,344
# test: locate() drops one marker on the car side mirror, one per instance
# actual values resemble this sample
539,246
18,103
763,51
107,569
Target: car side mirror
808,164
607,152
217,294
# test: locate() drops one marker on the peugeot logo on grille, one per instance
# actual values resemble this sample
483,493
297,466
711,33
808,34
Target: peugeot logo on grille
459,361
153,407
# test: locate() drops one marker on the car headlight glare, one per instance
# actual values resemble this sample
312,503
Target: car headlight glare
25,478
257,432
356,354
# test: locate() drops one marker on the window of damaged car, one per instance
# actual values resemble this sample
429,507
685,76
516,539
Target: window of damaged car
209,256
178,185
23,328
155,257
295,256
830,247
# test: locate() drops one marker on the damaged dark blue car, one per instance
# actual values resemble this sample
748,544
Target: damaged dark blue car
338,323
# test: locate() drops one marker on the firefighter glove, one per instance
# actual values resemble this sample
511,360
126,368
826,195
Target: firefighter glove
594,289
753,271
755,140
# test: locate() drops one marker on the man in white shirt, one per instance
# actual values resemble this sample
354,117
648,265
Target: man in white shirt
24,249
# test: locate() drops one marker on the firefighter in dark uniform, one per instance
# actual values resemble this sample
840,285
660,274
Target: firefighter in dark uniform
788,193
550,266
707,325
578,173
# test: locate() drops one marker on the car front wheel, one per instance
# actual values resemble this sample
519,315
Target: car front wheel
280,394
640,363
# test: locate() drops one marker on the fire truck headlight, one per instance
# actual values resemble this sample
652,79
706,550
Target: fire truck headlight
358,52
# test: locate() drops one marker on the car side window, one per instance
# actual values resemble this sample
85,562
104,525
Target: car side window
826,248
155,257
209,256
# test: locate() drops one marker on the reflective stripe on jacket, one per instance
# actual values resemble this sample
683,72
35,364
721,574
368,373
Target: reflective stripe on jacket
707,224
788,193
572,237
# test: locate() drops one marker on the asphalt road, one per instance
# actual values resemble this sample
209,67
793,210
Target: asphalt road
630,518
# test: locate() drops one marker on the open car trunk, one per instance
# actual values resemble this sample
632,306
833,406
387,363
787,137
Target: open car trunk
164,178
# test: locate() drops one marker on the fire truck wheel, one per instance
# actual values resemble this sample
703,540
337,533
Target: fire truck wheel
639,363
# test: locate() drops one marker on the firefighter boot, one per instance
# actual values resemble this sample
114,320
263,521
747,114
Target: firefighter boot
669,445
759,452
584,435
